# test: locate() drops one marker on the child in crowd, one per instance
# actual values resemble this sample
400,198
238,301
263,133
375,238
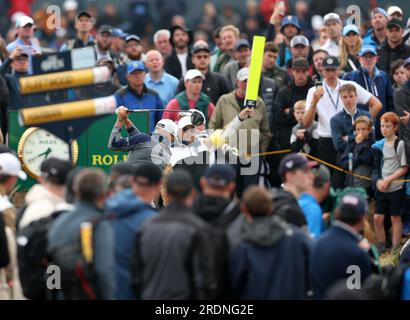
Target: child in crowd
358,155
390,166
303,139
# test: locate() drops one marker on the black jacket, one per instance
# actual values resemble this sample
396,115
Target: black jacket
173,257
387,55
284,122
214,86
4,250
173,66
4,101
287,207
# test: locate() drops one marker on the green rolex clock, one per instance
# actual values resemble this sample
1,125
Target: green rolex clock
37,144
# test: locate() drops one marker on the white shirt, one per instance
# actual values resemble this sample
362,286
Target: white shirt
182,57
325,107
332,47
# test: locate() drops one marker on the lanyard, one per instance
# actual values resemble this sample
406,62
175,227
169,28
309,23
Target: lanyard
330,96
373,88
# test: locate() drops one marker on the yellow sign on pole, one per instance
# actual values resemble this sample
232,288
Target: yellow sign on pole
255,70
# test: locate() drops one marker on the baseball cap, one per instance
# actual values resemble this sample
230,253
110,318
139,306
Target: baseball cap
117,32
197,47
242,43
135,66
406,62
290,20
350,28
105,28
70,5
294,161
168,126
378,10
132,37
10,165
179,183
299,40
354,204
394,9
192,74
83,14
367,49
331,62
23,21
300,63
242,74
184,122
147,173
188,31
55,170
331,17
395,23
219,175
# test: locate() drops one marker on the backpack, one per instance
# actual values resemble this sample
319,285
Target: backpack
32,256
388,285
78,276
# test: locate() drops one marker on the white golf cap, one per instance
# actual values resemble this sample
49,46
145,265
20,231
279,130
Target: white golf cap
168,126
185,121
331,17
23,21
192,74
70,5
10,165
242,74
394,9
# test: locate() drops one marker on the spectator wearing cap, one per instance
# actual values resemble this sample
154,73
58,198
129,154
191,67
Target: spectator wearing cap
270,68
179,61
297,89
376,36
49,195
215,84
341,247
191,98
133,51
118,42
10,172
325,101
162,42
289,28
174,236
158,79
84,22
260,264
242,57
334,26
394,48
395,12
136,95
349,48
25,33
131,207
103,41
300,48
90,186
143,147
70,12
267,86
310,200
373,80
401,103
229,36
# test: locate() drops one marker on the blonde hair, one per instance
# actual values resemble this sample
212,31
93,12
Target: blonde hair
363,119
344,51
231,27
299,105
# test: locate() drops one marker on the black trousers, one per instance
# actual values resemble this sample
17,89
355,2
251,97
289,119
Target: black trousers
327,152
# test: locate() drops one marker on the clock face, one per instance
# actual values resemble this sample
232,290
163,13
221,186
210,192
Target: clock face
37,145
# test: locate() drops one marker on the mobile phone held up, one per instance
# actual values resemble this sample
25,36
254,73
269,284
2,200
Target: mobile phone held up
318,84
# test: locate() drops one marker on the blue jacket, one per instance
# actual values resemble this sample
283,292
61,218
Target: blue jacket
65,231
148,100
370,39
271,262
130,212
341,125
332,254
380,86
